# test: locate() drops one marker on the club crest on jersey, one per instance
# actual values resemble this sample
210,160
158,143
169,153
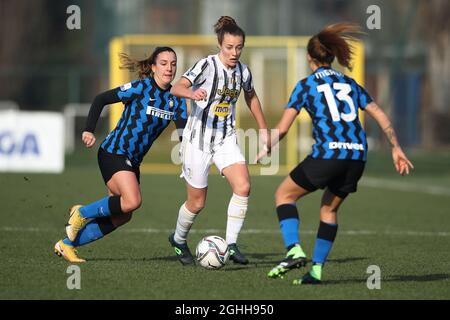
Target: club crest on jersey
225,91
222,109
163,114
171,103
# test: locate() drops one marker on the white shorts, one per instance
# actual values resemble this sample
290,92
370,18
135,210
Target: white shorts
196,163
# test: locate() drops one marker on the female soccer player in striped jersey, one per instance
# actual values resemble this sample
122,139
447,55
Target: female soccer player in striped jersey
149,109
209,136
338,157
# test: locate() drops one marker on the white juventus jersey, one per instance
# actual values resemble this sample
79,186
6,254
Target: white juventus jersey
213,119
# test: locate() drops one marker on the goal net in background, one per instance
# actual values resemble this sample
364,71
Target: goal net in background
277,63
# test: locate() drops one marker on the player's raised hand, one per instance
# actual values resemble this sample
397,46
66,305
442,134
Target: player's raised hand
88,139
199,94
401,162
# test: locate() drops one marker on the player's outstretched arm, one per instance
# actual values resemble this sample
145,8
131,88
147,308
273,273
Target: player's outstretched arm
280,131
253,103
100,101
181,89
401,162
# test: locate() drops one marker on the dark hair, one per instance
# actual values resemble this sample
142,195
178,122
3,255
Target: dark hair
227,24
332,42
142,67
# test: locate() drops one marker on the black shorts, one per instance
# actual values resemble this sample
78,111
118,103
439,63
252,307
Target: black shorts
339,176
110,163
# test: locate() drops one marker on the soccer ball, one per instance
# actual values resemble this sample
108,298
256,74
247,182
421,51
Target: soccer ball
212,252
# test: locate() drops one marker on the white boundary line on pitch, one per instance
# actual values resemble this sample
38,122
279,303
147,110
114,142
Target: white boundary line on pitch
403,186
254,231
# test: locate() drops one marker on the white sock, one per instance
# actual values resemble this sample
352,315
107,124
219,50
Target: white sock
184,223
236,215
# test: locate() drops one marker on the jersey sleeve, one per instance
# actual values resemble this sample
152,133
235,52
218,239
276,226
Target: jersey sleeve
298,97
100,101
198,73
363,97
180,116
130,91
247,79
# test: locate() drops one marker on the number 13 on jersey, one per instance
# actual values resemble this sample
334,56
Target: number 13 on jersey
343,90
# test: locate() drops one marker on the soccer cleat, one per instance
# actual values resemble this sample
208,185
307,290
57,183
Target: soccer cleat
67,252
311,277
182,251
76,222
307,279
295,258
236,255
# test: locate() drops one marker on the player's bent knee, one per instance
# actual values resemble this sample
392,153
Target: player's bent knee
328,212
281,196
130,204
242,189
197,205
278,195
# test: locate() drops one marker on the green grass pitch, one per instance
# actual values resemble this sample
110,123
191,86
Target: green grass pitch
399,224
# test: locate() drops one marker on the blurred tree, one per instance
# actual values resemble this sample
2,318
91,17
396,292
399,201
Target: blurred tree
39,56
20,25
436,116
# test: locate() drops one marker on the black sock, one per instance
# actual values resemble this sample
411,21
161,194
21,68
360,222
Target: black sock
114,205
105,224
324,242
289,224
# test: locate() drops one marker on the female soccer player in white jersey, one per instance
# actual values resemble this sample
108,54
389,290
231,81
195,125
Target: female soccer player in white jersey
338,157
209,136
149,109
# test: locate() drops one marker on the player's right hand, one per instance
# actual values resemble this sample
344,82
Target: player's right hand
88,139
199,94
401,162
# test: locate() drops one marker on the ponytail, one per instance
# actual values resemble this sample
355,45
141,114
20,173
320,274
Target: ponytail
333,41
142,67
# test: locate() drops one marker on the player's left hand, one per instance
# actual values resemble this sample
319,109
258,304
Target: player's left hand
401,162
262,154
265,139
88,139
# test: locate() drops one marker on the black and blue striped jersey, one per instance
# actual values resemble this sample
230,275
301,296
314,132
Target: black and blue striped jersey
332,100
148,111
